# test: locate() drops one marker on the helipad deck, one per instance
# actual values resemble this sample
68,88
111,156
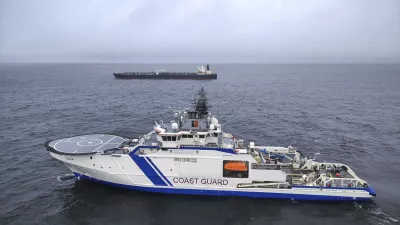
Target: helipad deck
85,144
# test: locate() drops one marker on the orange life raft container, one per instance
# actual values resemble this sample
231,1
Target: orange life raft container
236,166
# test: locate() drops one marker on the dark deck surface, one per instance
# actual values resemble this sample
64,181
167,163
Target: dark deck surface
85,144
184,76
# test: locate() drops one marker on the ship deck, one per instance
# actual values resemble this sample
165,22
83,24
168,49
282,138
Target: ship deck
85,144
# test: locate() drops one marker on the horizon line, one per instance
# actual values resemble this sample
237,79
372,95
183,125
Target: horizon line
191,63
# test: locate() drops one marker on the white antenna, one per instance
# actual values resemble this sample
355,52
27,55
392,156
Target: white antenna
315,155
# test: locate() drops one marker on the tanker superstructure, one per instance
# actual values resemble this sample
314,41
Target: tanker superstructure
202,73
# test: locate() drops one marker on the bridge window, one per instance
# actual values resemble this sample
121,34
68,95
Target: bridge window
190,136
184,136
237,169
173,138
164,138
202,136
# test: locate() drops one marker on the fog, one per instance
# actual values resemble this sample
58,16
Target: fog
182,31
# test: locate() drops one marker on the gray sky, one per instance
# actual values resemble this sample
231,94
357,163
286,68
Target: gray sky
200,31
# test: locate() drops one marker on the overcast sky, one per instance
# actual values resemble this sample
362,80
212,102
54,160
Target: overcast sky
200,31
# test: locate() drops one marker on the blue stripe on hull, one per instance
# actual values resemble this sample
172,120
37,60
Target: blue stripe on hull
370,190
225,193
162,175
224,150
147,170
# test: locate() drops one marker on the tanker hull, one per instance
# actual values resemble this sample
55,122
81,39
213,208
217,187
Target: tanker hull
170,76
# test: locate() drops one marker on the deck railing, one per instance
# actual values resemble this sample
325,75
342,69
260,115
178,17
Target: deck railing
343,182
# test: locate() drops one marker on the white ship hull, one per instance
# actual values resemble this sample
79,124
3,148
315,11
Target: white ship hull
122,172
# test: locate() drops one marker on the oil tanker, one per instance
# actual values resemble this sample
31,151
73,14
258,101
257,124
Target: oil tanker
202,73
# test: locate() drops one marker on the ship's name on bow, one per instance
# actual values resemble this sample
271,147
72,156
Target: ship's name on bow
206,181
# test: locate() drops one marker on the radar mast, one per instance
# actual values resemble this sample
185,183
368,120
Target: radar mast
200,102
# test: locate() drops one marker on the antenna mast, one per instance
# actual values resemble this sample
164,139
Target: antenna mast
200,102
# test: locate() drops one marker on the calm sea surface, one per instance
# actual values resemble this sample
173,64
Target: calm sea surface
348,113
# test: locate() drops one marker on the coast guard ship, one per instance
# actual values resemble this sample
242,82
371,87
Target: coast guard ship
192,154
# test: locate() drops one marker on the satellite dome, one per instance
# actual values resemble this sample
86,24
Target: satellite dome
212,127
174,126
